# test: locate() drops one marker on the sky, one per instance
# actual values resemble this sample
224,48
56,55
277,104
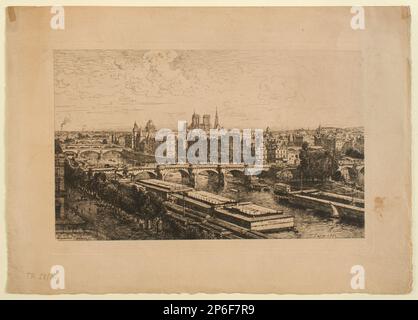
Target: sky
110,89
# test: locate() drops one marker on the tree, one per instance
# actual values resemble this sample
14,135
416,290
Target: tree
74,177
158,206
354,153
125,171
317,164
58,148
353,173
304,160
110,194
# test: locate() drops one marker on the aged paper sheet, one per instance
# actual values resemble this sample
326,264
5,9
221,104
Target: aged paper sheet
91,90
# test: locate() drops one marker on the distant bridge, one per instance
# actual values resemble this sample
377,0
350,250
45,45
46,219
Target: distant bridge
79,150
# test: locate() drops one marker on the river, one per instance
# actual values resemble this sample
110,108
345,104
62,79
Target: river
309,224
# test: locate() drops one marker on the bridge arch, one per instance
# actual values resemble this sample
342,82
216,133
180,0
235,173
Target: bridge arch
182,171
178,175
111,154
144,174
111,150
236,173
208,170
210,178
89,151
70,152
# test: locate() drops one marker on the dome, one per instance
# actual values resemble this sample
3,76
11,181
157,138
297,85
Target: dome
150,126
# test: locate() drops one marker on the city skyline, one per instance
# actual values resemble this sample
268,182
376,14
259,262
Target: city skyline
128,128
141,123
110,89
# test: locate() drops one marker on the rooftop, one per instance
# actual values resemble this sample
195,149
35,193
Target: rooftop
209,197
169,186
251,209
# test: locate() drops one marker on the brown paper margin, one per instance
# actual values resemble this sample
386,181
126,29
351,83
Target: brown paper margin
366,155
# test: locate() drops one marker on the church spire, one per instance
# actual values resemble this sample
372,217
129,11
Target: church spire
216,123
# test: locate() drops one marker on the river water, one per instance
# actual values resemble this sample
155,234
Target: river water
309,224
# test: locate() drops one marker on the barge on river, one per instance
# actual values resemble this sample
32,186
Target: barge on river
338,206
242,214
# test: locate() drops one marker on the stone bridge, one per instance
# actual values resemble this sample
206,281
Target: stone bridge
84,149
356,169
189,172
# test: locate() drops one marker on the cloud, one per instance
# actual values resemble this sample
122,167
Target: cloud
280,89
157,77
244,85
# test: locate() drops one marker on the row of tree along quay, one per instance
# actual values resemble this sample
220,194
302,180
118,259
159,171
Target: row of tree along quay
134,206
145,207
